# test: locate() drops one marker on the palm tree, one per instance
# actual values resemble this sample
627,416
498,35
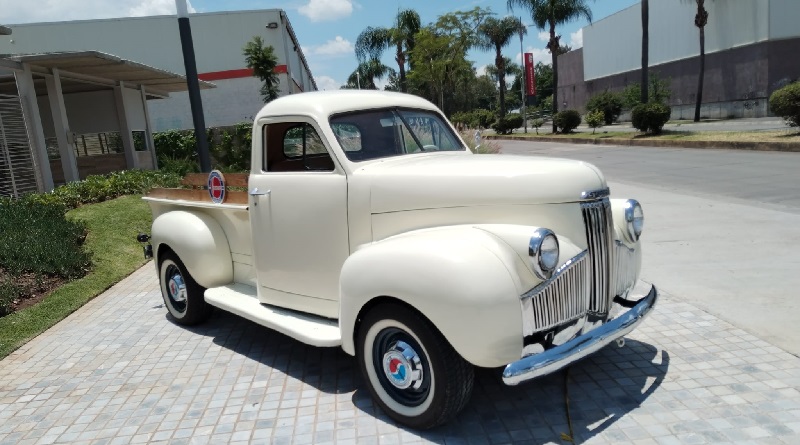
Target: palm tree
373,41
495,34
547,14
700,21
645,48
364,76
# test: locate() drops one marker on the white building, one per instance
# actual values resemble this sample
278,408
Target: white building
219,38
752,48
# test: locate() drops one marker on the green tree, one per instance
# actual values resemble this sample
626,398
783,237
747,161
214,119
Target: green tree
440,65
546,15
262,60
373,41
496,34
363,77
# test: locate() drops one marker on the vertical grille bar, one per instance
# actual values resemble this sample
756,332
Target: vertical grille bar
599,238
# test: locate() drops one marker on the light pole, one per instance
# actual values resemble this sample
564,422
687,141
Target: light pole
524,74
193,85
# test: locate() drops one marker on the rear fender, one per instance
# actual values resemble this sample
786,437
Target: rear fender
199,242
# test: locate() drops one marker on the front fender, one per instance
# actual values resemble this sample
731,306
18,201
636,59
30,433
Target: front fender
199,242
458,277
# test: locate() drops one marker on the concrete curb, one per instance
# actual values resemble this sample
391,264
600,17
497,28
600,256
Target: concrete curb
734,145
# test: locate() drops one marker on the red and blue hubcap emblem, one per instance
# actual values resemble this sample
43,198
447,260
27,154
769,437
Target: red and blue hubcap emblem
216,187
397,369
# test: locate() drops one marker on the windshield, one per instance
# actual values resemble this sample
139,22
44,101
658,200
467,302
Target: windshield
392,132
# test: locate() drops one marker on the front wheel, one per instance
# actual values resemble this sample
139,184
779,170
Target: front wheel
411,370
182,295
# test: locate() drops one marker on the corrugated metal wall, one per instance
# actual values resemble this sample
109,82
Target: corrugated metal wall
17,168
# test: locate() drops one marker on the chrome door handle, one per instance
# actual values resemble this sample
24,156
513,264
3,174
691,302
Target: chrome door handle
257,192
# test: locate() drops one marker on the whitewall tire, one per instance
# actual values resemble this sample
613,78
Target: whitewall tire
411,370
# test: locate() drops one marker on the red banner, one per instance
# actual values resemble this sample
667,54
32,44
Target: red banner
530,84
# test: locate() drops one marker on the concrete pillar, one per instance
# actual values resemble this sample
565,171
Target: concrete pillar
30,108
148,129
125,127
66,144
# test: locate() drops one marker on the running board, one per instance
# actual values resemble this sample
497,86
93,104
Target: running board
242,300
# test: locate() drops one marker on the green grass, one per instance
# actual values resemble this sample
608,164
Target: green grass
112,226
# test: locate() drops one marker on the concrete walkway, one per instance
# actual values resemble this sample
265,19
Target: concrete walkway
118,371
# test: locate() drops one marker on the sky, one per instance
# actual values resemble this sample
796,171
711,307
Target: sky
327,29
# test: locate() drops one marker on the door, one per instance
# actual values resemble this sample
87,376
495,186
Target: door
298,212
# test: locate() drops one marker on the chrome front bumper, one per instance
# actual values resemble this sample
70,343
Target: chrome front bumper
560,356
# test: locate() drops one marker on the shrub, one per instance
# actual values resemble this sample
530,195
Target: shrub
651,117
478,118
536,123
607,102
37,238
595,120
8,293
567,120
658,91
97,188
785,102
507,124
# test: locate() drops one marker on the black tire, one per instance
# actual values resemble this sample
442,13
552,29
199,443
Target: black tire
392,345
182,295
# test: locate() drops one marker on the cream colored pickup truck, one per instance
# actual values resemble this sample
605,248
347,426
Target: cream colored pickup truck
365,223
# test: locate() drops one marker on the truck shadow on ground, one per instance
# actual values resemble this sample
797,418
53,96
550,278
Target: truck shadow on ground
601,389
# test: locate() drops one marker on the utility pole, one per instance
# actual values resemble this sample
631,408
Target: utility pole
193,83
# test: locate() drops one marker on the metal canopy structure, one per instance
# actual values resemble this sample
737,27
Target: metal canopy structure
50,103
89,68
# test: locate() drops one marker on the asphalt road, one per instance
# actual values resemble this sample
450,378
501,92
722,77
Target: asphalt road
722,227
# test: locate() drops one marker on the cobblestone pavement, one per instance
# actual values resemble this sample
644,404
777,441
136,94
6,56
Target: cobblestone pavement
118,371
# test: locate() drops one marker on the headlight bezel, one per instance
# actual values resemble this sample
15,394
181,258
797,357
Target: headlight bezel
542,254
634,219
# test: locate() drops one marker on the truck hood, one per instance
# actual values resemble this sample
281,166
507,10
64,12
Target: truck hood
439,180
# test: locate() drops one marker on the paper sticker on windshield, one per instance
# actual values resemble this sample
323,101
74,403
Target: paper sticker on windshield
216,187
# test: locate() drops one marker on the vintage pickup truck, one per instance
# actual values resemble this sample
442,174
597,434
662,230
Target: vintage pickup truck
367,223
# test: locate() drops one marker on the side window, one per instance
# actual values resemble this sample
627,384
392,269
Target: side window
295,147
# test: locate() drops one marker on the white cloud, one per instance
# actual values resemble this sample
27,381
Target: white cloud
155,7
481,70
381,83
326,10
16,11
335,47
326,83
544,36
539,55
576,39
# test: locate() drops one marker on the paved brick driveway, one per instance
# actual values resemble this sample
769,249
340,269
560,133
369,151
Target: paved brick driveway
118,371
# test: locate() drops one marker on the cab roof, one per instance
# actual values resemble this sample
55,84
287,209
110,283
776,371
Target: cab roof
322,104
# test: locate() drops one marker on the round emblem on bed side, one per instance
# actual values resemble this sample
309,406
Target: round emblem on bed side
216,187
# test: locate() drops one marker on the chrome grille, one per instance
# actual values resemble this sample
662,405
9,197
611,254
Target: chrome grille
562,298
628,262
599,237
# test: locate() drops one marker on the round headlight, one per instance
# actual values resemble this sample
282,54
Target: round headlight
634,219
543,250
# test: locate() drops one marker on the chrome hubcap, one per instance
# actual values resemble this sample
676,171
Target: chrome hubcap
402,366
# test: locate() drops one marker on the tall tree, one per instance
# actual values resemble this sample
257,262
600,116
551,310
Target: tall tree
373,41
546,15
262,60
496,34
645,47
700,21
365,74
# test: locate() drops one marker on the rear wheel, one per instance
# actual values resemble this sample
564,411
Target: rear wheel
411,370
182,295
